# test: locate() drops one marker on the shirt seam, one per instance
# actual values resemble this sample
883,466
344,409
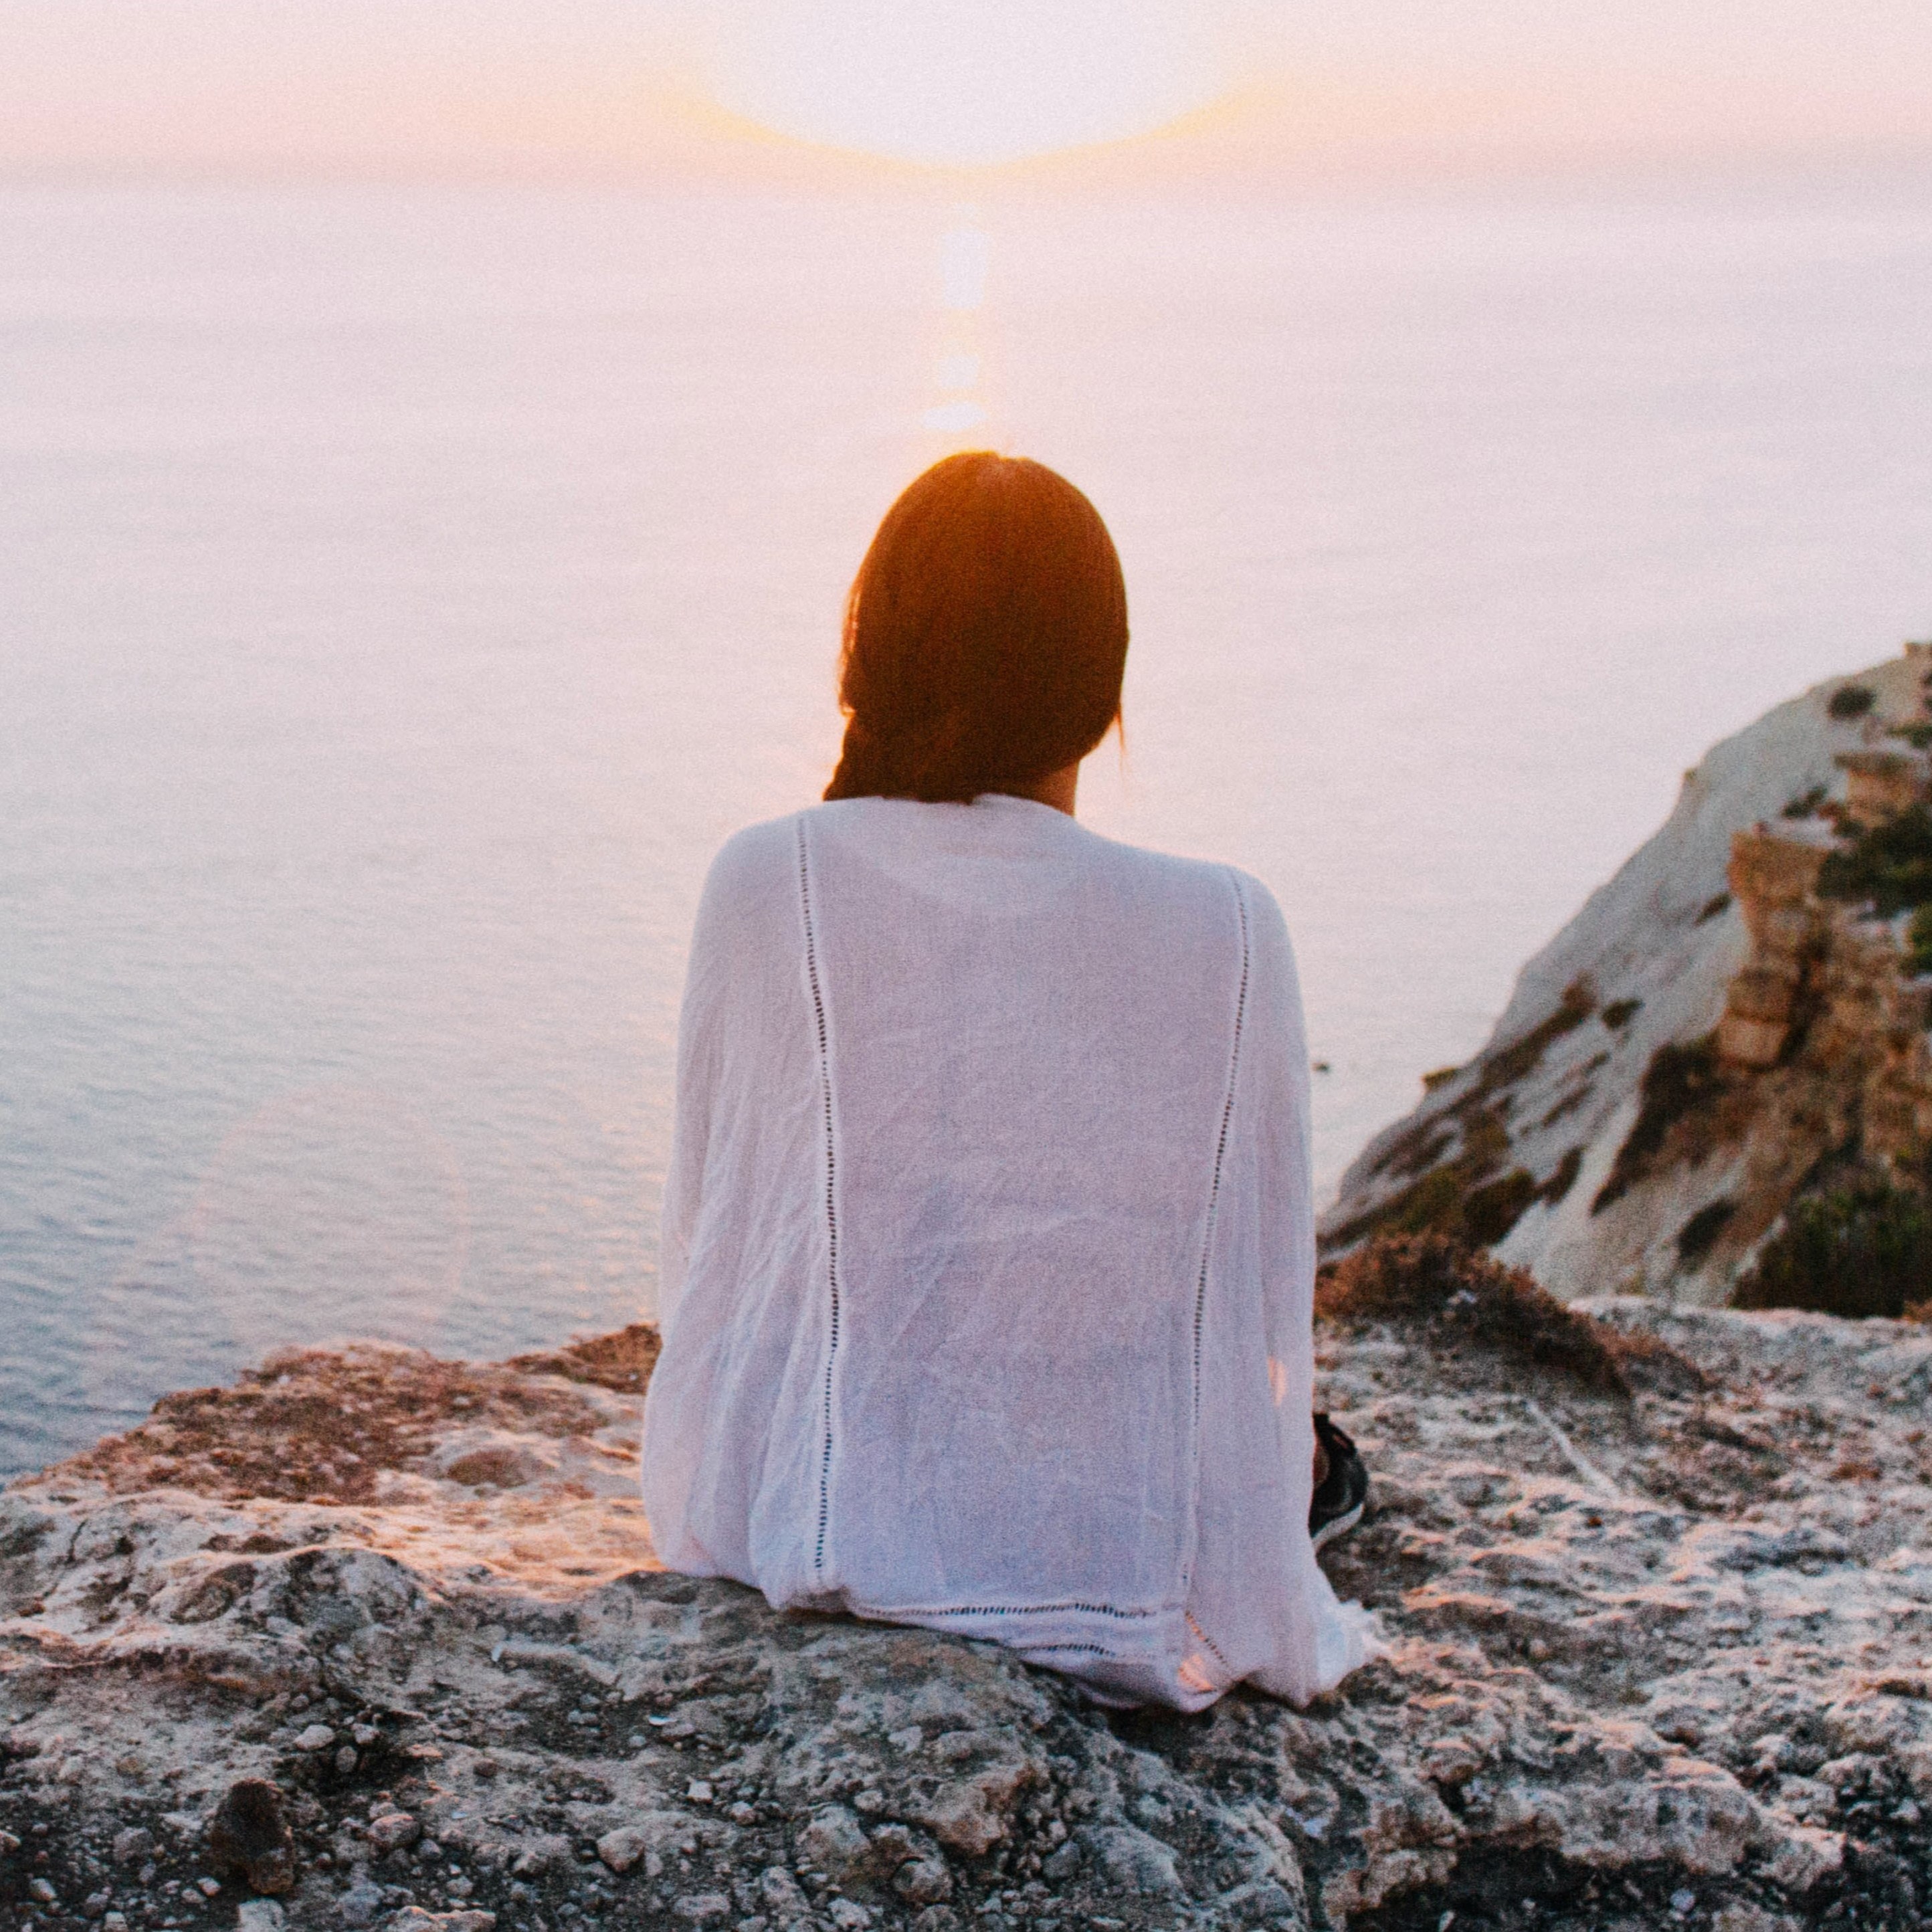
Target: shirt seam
1213,1216
1011,1610
831,1196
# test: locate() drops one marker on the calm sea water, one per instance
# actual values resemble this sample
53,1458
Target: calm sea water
402,593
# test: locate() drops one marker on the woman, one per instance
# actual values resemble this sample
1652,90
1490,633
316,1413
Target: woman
987,1246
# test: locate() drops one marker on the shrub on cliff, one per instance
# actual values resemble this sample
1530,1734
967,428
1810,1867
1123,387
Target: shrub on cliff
1699,1234
1889,865
1851,701
1470,1196
1679,1082
1858,1251
1920,953
1463,1199
1464,1296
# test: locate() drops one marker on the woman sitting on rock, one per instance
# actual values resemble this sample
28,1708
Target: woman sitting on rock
988,1240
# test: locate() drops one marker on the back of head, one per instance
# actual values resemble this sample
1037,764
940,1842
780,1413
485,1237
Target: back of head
985,636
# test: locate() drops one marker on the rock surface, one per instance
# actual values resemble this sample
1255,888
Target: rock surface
1541,1146
1657,1656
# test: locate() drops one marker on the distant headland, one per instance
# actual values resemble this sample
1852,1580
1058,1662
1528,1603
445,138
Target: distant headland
1715,1083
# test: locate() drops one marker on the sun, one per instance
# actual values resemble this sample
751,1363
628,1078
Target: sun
964,82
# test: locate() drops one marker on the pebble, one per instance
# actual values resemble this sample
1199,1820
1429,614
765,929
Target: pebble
393,1830
314,1738
703,1908
923,1881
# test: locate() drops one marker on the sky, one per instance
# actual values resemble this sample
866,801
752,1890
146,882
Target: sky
496,86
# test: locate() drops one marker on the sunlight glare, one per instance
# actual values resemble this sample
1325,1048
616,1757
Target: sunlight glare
965,82
964,255
952,418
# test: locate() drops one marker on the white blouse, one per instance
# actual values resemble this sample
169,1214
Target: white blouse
989,1250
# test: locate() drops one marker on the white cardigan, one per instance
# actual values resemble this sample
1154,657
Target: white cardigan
988,1249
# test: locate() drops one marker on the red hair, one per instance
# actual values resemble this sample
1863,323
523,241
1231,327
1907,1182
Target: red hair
985,635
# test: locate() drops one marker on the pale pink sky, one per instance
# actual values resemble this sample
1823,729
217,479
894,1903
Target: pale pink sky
492,86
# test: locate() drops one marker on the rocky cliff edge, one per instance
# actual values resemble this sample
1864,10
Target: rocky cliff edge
374,1638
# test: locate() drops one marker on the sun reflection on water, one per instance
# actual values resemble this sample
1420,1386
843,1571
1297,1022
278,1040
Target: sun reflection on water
960,410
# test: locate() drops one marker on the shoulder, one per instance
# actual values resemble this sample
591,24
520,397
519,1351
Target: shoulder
1261,907
1219,904
1214,888
751,885
756,859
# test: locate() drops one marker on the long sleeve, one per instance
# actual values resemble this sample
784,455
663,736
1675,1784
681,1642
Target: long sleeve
741,1265
684,1177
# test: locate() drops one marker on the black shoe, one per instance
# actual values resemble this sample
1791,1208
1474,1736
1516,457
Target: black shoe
1337,1507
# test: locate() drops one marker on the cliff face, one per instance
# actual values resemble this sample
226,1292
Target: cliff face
373,1639
1699,1042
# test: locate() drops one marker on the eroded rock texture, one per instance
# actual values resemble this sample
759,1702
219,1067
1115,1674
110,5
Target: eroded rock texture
1703,1040
1656,1657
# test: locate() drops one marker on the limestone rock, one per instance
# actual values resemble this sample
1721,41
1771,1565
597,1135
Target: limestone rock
361,1903
833,1843
133,1845
391,1831
1673,1066
1646,1637
1132,1861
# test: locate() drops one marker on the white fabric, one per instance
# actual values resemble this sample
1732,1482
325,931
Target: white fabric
988,1249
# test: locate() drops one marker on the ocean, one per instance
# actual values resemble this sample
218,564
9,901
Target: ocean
403,591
